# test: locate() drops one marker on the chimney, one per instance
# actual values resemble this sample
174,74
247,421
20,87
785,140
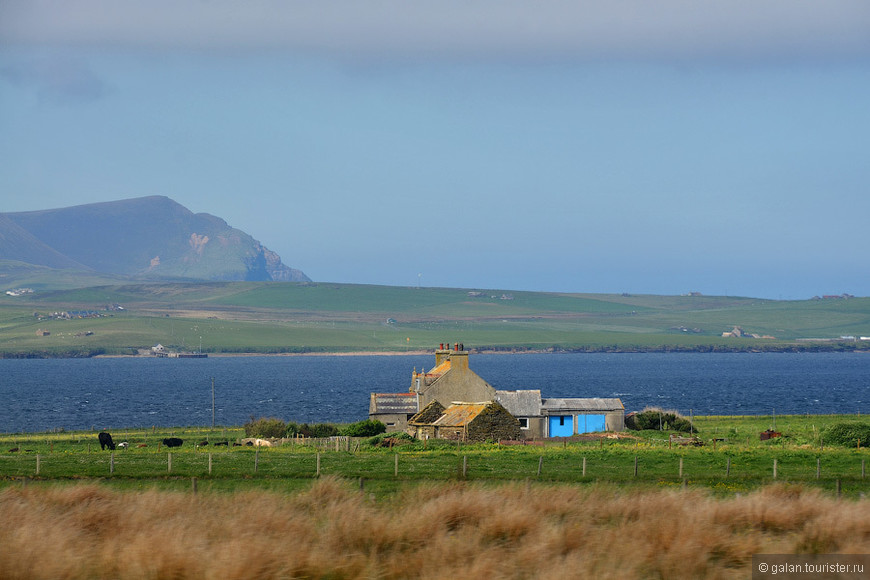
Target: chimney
441,354
459,360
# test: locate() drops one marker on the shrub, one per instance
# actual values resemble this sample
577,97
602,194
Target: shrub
389,439
266,428
367,428
848,433
659,420
316,430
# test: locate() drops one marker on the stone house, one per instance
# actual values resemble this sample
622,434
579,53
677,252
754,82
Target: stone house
475,422
451,382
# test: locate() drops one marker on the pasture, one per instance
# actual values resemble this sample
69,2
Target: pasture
636,506
732,459
254,317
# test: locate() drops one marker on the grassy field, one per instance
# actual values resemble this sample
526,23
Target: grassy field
290,317
329,529
733,459
636,506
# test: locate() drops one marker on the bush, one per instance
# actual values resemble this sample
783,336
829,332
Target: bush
266,428
367,428
316,430
659,420
389,439
848,433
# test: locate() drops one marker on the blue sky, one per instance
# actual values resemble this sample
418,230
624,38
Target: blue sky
629,146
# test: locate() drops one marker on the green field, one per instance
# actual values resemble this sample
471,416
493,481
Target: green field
732,460
271,317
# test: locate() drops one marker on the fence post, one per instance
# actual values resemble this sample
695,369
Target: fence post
112,463
584,466
818,467
635,465
681,467
396,466
540,465
193,485
728,467
37,464
862,469
169,462
318,464
774,468
464,466
209,462
256,458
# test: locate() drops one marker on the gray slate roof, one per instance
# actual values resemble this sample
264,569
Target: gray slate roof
549,405
393,403
520,403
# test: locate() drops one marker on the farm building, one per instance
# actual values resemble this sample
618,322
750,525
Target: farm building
451,382
465,422
393,409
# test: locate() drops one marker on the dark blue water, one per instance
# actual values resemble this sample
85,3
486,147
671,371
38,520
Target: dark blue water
75,394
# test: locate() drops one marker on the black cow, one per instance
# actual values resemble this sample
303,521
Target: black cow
173,442
106,441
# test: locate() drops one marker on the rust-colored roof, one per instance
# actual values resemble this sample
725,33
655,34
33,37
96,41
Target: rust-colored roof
460,414
440,369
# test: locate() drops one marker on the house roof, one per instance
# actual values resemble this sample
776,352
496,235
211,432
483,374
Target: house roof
439,370
520,403
393,403
460,414
427,414
549,405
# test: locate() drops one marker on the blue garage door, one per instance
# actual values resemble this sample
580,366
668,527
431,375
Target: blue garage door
561,425
590,423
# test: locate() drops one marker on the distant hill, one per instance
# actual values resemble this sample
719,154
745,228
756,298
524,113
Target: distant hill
149,237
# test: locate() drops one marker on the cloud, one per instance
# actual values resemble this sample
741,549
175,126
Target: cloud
58,79
502,29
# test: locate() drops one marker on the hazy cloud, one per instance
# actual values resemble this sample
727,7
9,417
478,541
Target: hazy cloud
582,29
58,79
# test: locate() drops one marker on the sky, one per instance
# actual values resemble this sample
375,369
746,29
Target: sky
664,147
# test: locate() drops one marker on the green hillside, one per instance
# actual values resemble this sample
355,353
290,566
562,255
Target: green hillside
274,317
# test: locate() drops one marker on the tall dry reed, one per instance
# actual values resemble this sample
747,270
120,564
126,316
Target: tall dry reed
426,532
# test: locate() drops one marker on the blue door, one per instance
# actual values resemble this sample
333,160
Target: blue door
561,425
590,423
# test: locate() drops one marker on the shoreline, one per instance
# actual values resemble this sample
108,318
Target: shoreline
431,352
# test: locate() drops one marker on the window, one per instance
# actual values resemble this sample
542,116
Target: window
524,422
561,420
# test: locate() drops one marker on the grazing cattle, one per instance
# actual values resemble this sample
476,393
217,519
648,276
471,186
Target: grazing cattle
224,443
202,444
106,441
14,450
123,445
237,444
173,442
142,445
253,441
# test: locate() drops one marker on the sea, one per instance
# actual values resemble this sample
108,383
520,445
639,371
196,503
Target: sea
111,393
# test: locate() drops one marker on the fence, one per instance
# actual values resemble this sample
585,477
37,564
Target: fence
515,463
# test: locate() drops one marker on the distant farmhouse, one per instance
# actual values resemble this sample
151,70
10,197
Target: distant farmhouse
738,332
450,401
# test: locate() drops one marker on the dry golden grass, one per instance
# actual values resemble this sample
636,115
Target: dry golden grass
428,532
